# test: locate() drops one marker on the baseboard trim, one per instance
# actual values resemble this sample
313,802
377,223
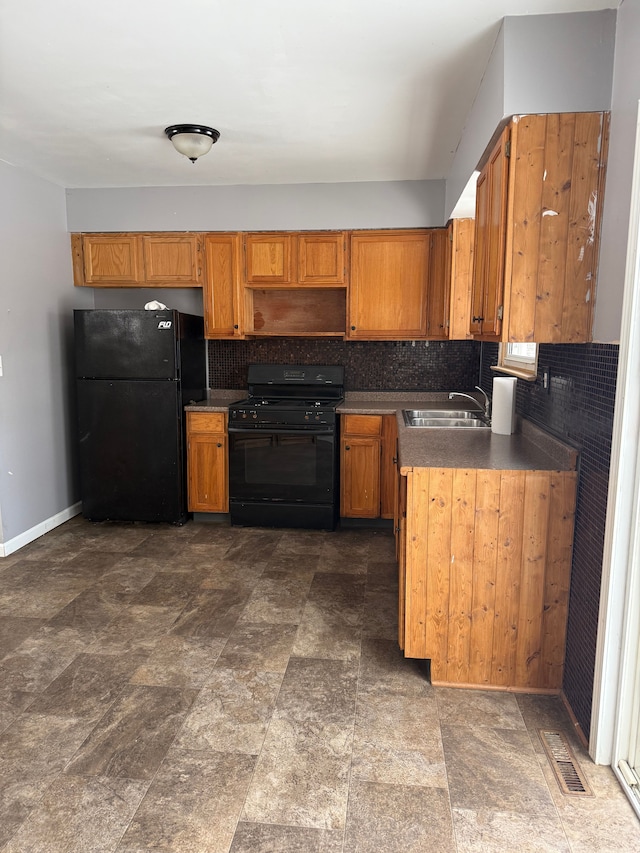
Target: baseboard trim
576,725
38,530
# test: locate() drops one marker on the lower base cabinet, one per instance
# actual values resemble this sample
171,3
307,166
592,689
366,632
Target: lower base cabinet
368,466
485,564
207,465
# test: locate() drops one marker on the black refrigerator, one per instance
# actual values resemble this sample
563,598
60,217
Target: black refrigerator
135,372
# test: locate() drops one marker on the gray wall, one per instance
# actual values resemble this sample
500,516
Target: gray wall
559,63
289,207
36,470
484,117
540,64
617,199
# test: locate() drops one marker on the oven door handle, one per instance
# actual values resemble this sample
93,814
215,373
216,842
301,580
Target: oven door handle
269,431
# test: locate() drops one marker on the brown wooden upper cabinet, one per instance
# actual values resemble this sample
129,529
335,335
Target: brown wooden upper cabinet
299,259
538,210
388,284
137,260
461,235
438,308
223,303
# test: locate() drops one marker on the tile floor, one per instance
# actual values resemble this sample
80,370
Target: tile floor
214,690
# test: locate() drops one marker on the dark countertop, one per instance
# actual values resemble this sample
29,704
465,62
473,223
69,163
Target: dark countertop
530,448
217,401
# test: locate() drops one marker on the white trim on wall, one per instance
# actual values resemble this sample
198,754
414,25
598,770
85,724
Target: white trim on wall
38,530
619,573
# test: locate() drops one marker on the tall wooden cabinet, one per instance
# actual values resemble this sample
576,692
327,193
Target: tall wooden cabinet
538,207
221,292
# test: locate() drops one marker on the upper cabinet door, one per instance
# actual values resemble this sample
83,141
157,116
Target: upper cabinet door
222,303
112,258
321,259
491,227
173,259
439,284
388,284
538,210
269,258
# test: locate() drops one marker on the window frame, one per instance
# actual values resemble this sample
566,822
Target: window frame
522,366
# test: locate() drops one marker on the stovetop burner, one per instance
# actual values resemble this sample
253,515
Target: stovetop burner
301,397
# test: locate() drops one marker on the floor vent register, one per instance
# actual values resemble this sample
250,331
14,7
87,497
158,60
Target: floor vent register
567,771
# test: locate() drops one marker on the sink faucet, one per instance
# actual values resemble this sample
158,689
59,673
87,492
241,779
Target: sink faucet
487,402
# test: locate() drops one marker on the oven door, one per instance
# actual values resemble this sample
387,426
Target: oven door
292,466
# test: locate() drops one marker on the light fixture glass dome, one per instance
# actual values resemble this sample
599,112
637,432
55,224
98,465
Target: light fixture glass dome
192,140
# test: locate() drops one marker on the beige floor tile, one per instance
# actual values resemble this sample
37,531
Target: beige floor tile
179,662
495,769
267,838
318,690
479,708
79,815
486,831
193,804
301,777
398,819
133,737
258,646
232,712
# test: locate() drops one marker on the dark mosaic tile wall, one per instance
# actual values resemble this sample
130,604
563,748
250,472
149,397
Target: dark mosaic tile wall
369,366
578,408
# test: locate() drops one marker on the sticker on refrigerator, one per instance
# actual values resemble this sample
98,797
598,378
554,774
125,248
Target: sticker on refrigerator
165,324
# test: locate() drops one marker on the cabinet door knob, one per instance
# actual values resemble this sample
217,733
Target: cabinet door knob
477,319
347,447
353,328
236,326
218,444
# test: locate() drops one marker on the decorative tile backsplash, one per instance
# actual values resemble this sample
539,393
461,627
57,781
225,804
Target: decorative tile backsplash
578,408
369,366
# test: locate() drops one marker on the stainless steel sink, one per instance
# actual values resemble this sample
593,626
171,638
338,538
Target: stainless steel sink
442,419
458,414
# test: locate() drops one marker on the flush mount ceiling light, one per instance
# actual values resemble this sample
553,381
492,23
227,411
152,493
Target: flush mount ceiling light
192,140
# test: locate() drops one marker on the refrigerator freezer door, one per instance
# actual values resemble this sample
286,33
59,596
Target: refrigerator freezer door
131,451
127,344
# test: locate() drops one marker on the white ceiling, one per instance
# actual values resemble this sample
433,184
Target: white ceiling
301,91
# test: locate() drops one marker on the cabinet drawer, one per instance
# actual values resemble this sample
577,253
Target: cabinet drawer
206,422
362,424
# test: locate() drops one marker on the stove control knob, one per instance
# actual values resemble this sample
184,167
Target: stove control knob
244,415
254,416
